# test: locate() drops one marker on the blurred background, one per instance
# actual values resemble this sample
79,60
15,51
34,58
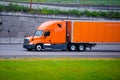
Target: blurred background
20,18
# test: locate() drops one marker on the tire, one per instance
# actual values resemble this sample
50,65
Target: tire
81,47
38,47
71,47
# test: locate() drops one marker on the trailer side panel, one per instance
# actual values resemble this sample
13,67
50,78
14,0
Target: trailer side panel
94,32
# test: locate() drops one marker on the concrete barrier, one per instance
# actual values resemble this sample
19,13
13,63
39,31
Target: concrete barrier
11,40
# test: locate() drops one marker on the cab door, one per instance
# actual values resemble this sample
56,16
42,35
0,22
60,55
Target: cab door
47,36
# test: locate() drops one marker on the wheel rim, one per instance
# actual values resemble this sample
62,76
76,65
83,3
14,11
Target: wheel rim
81,47
73,47
38,47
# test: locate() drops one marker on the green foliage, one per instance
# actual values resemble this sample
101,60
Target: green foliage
87,13
15,7
113,15
20,8
74,12
64,12
2,7
95,14
103,14
46,11
56,11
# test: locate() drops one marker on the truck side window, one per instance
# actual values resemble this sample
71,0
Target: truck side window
47,33
38,33
59,25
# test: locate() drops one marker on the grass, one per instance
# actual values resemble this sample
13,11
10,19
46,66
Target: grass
59,69
20,8
98,2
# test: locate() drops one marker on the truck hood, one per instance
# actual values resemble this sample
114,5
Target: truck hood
29,37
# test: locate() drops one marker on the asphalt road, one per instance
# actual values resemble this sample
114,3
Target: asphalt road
100,51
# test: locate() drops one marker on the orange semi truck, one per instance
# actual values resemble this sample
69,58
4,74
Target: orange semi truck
73,35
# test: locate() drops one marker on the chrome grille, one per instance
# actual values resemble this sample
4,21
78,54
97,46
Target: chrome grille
26,41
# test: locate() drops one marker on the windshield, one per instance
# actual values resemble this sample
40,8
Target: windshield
39,33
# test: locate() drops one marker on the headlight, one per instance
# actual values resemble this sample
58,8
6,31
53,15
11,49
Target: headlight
26,41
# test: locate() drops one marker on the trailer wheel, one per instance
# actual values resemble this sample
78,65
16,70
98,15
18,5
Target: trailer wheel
81,47
72,47
38,47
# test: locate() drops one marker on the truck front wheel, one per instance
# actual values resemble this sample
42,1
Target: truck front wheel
38,47
81,47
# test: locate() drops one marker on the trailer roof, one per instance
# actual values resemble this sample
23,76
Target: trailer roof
87,20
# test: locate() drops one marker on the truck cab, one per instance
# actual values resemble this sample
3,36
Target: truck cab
49,32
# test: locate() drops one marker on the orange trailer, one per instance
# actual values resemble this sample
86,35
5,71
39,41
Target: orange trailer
73,35
103,32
